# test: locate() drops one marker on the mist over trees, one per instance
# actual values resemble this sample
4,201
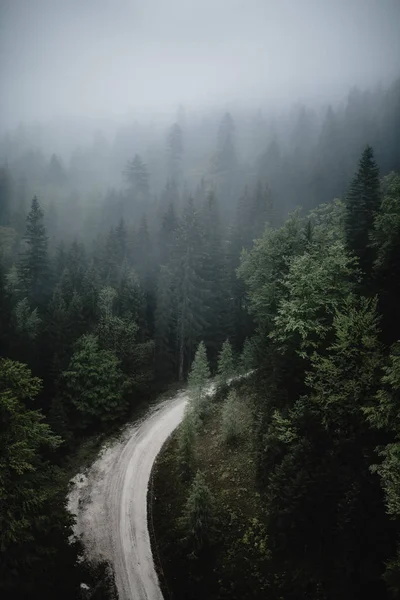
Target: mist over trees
192,191
122,259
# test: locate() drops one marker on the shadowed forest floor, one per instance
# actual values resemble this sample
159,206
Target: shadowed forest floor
233,566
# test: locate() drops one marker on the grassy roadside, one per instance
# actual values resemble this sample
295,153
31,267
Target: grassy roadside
234,566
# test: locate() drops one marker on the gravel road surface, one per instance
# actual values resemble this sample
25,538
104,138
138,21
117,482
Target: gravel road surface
110,501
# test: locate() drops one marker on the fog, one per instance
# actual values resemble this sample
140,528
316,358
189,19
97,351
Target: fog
116,57
119,107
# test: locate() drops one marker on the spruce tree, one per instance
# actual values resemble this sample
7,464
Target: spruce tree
198,518
175,153
94,384
363,202
226,363
34,262
215,274
225,161
137,176
198,382
138,195
247,357
190,293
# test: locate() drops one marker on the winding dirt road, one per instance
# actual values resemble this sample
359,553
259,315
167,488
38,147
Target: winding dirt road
110,501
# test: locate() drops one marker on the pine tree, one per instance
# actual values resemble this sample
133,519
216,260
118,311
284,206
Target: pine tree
225,162
94,384
175,153
198,382
28,486
363,202
131,303
226,363
57,329
27,321
385,239
247,357
135,202
214,273
137,176
34,262
198,519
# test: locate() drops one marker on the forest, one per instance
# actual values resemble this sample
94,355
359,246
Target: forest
199,289
276,237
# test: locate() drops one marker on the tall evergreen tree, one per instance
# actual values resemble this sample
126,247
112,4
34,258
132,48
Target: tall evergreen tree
226,364
137,177
94,384
224,167
214,273
385,239
34,262
198,518
189,287
175,153
362,202
198,381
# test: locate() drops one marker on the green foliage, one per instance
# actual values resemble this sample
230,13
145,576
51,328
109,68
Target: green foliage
345,379
232,426
226,363
137,176
198,382
386,232
94,383
247,358
27,320
13,281
155,274
198,519
32,516
316,283
190,294
385,239
363,201
34,266
264,268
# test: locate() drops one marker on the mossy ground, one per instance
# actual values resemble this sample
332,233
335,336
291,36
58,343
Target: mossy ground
234,566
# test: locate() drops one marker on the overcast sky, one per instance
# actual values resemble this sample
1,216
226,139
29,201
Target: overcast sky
92,57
